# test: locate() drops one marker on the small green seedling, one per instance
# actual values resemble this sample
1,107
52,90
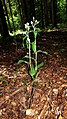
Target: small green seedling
31,46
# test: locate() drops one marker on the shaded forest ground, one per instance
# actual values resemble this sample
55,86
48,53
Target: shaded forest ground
46,97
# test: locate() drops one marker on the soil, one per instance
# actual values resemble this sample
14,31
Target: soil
46,96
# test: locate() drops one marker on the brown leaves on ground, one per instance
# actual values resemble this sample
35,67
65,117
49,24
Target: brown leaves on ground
44,98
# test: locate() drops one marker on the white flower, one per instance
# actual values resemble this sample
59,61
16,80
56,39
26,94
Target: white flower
28,39
36,22
31,22
27,24
27,27
33,18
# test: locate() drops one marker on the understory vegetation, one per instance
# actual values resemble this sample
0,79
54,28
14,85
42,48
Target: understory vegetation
33,59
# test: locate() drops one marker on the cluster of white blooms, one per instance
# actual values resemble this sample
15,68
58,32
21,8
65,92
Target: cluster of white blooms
27,26
34,23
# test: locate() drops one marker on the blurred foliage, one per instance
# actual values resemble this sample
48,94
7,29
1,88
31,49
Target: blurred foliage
15,14
61,12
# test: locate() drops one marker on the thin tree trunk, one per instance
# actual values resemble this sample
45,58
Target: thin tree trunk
7,15
29,9
46,13
25,9
32,9
54,9
11,14
3,24
42,13
20,12
50,12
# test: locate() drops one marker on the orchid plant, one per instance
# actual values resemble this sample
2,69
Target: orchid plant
33,67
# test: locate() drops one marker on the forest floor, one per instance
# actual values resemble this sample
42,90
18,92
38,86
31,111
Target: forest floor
44,98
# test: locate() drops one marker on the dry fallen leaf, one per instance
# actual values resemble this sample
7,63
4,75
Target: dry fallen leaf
55,91
7,97
30,112
13,103
0,112
50,92
65,114
60,117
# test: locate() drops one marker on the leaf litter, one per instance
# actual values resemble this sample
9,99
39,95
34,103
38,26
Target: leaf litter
46,96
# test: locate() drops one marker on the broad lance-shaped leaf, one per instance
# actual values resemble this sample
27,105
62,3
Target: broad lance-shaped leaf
26,56
32,71
39,65
42,52
21,61
35,34
29,57
34,47
38,29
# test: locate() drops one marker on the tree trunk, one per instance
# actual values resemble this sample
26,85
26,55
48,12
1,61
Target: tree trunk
54,10
29,9
25,10
50,12
42,13
22,13
6,12
46,13
19,6
3,24
11,14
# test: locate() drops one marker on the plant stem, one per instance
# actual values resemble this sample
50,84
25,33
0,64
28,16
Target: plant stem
29,53
35,56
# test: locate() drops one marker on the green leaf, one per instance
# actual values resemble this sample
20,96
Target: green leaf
27,44
38,29
29,57
26,56
32,71
39,65
35,34
45,52
42,52
21,61
39,51
34,59
24,38
34,46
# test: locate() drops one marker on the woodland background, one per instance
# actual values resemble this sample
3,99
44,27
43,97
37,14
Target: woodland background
15,13
46,96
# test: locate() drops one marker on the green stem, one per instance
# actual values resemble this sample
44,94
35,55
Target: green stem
29,53
35,56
